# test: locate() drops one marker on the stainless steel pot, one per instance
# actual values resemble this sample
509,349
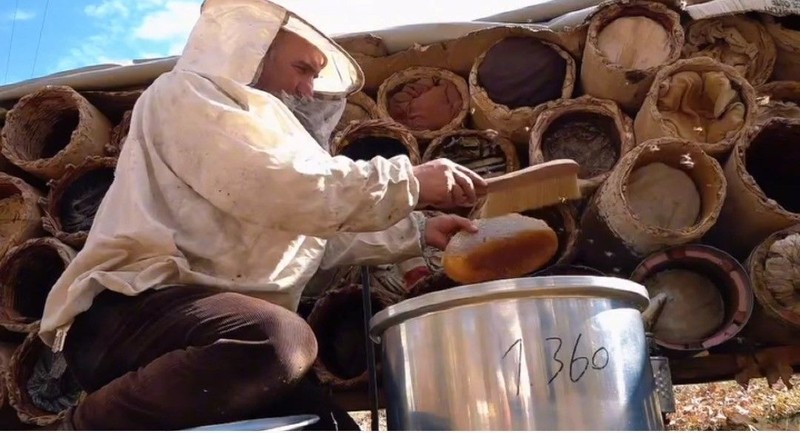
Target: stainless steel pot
542,353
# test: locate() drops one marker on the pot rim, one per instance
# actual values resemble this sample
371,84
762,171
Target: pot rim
531,287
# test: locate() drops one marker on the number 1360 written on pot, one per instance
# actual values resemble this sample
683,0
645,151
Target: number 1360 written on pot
571,362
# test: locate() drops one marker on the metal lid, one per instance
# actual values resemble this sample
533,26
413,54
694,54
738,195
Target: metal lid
532,287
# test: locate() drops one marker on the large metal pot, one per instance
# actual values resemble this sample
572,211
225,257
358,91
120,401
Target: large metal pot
541,353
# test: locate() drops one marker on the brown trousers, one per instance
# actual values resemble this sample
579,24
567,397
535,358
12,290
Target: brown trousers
184,357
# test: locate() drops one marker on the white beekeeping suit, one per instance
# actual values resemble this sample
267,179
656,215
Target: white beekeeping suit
219,184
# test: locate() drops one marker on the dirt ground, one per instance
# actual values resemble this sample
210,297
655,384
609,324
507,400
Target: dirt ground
716,406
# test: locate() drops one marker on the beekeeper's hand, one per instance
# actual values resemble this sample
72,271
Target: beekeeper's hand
445,184
441,228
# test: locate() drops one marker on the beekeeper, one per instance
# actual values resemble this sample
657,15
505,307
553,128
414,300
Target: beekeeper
180,309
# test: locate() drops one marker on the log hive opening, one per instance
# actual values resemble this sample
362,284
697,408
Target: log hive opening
698,99
662,193
40,385
593,132
65,121
513,77
82,199
620,67
590,139
485,152
378,137
428,101
675,193
337,322
691,296
663,196
701,106
774,270
74,198
781,274
366,148
772,158
522,72
648,49
27,273
708,296
759,200
673,187
51,128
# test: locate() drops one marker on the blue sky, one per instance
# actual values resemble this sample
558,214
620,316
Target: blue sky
76,33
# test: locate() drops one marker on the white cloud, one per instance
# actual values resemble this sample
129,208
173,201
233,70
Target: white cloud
107,8
159,28
19,15
174,21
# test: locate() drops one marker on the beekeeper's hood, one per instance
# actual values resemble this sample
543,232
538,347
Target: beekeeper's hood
231,38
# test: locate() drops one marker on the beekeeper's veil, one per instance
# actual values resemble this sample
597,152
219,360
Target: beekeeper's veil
231,38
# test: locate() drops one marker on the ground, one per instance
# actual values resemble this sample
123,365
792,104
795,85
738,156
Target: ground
717,406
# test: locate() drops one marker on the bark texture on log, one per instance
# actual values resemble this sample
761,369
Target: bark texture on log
20,215
625,221
763,187
27,273
52,128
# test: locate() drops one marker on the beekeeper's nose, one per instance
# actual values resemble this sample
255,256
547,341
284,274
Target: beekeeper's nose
306,88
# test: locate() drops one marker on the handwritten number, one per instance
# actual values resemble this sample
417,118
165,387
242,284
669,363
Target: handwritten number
555,358
604,358
578,365
573,360
518,344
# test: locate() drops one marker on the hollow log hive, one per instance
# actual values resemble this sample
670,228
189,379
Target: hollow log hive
688,139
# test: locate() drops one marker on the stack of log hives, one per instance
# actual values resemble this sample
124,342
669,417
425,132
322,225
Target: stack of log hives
686,132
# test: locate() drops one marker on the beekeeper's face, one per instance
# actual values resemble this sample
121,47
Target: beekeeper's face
290,66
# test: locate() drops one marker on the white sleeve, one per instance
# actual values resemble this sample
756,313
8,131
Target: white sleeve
400,242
